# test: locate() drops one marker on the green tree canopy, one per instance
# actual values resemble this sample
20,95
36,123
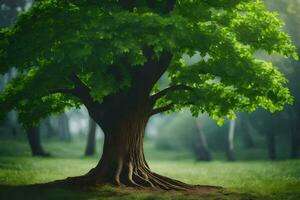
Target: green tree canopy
111,46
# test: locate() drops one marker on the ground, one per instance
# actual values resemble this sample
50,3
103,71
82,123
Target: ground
242,180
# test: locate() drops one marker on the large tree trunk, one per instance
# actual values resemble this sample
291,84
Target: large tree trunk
201,145
123,161
33,136
271,145
230,142
12,123
90,146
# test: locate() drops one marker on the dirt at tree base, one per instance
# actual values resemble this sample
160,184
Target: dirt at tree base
55,190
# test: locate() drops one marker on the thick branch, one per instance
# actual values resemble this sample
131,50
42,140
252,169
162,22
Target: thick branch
79,85
162,93
82,91
153,69
162,109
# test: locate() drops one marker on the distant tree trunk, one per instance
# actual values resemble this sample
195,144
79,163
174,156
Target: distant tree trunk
50,131
201,145
11,117
64,129
12,123
271,144
33,136
246,133
230,141
90,147
295,142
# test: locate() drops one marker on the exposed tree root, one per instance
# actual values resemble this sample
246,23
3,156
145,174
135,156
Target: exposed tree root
123,162
141,178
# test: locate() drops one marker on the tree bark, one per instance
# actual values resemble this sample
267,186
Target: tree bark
271,144
90,147
230,142
201,145
123,161
33,136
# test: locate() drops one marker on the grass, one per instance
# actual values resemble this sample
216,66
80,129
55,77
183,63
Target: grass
255,179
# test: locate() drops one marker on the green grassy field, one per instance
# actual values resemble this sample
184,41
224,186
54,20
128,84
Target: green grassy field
242,180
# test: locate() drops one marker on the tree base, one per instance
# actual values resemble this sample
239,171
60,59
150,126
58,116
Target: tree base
139,180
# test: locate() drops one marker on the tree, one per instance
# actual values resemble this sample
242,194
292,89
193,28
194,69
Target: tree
186,134
289,11
48,128
9,11
230,141
295,142
246,130
108,55
63,127
33,135
269,126
201,144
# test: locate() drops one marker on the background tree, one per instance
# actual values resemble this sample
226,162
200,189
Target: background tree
289,11
63,129
201,144
109,56
9,11
183,133
244,124
282,127
48,128
33,136
91,141
230,141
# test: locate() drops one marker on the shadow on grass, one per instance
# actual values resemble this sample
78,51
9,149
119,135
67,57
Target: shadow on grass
38,192
54,192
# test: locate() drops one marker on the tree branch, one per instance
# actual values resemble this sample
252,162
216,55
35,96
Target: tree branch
79,85
163,92
162,109
82,91
153,69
